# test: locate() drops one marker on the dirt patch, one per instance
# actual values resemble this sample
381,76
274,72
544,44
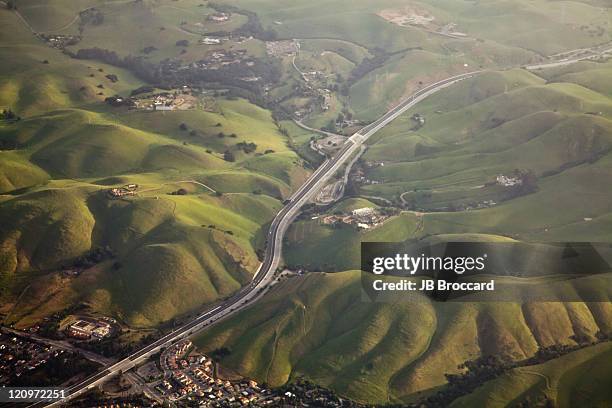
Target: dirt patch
408,16
413,16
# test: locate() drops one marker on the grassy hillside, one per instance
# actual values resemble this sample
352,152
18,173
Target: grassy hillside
320,327
210,181
29,85
576,379
17,173
446,170
412,41
488,126
382,88
164,247
159,25
171,254
519,24
557,125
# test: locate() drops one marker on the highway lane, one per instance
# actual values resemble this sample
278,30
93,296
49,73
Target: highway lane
272,255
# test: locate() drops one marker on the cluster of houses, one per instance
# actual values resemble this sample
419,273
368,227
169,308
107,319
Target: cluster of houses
179,99
347,123
191,376
171,358
60,41
85,329
312,75
209,40
359,173
508,181
282,48
303,393
124,191
358,176
117,101
481,204
363,218
19,356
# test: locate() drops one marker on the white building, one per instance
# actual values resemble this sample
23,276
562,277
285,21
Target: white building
364,212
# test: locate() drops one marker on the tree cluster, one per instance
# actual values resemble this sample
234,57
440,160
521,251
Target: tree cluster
8,114
247,147
252,27
93,257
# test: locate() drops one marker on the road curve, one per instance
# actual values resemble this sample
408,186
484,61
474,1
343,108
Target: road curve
278,227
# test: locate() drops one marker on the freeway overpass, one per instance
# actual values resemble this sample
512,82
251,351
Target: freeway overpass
272,256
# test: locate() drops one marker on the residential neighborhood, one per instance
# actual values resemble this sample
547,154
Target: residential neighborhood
282,48
187,375
19,356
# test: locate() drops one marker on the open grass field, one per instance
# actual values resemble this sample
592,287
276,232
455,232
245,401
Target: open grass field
338,247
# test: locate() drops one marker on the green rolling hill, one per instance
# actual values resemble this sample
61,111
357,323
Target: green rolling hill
325,330
475,131
211,179
172,254
493,125
576,379
320,327
35,78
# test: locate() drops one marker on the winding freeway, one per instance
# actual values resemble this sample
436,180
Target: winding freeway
265,275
